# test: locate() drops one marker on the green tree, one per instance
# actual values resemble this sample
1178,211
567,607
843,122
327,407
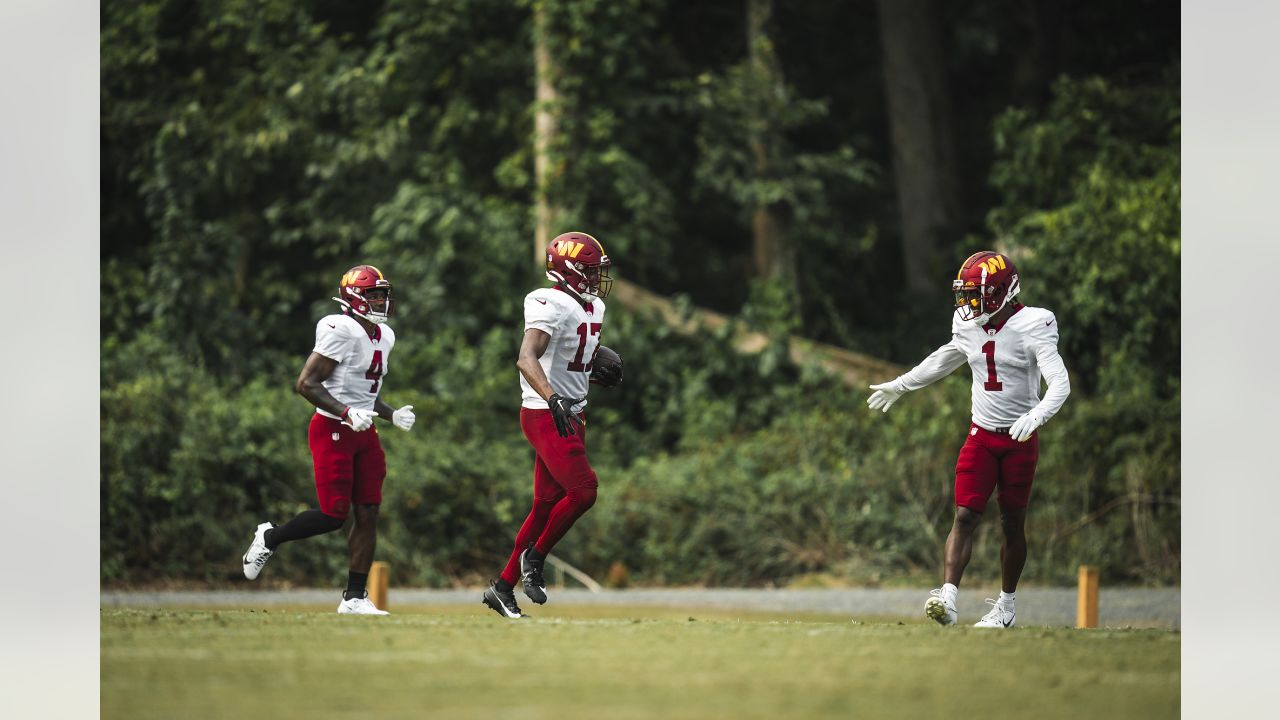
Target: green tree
1090,209
1091,213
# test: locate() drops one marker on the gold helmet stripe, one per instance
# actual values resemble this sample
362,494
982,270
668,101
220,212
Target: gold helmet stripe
599,245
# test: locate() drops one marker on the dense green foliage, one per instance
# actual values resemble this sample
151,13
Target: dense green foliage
251,151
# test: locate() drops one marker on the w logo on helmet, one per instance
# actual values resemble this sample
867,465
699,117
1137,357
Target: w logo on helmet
994,264
568,247
352,276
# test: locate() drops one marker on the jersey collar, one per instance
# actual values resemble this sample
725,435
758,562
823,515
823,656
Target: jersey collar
585,306
374,334
993,328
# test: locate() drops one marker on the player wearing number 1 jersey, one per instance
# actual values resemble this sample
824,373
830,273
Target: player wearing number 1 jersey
562,326
1009,347
343,378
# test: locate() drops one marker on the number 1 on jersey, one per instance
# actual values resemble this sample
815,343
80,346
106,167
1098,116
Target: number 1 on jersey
990,351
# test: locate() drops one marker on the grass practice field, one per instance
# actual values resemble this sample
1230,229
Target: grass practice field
618,662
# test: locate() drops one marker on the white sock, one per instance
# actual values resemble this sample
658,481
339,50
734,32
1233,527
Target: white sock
949,592
1006,599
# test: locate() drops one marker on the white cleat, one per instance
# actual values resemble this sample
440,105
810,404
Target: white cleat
1000,616
939,609
258,553
360,606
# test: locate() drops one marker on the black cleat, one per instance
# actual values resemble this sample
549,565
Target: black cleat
535,587
503,603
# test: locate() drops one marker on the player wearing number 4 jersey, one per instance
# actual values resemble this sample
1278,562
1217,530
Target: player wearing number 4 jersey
343,379
557,363
1008,347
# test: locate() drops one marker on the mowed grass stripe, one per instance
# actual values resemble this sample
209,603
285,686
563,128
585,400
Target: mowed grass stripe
617,662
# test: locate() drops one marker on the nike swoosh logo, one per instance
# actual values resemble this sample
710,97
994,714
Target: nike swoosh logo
335,327
544,302
1048,323
1007,623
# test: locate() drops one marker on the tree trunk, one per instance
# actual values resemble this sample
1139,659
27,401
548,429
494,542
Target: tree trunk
772,254
920,129
546,126
1033,75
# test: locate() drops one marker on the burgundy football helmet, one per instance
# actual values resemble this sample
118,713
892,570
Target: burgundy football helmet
987,281
365,292
577,262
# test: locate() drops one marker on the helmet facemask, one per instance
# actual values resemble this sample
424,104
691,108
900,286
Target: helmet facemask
597,277
371,300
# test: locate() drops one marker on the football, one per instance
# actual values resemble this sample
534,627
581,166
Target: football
606,369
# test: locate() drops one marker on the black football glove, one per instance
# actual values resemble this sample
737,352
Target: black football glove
607,375
562,413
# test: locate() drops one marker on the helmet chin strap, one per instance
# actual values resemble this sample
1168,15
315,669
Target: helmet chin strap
563,284
375,319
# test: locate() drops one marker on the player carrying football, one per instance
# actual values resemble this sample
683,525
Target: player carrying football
343,379
561,336
1008,346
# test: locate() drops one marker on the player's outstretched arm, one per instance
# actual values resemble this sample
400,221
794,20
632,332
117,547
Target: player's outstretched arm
938,365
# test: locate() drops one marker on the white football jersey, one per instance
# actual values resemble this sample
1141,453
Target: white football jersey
1007,364
362,361
575,335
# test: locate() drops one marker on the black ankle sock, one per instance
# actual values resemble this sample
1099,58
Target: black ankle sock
266,540
534,555
355,584
503,585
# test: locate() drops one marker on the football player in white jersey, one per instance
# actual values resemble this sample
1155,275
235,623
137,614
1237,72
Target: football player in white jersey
1008,347
343,378
562,327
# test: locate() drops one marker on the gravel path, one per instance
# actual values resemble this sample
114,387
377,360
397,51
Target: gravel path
1036,606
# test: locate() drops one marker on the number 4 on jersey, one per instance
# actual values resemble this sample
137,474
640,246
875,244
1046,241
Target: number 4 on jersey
374,372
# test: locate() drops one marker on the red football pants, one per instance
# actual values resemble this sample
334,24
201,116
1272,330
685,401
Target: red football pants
350,466
564,486
991,460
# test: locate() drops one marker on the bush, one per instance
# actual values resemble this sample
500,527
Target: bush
779,474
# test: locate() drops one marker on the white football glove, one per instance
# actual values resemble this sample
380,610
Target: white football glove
360,420
885,395
1024,426
404,418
